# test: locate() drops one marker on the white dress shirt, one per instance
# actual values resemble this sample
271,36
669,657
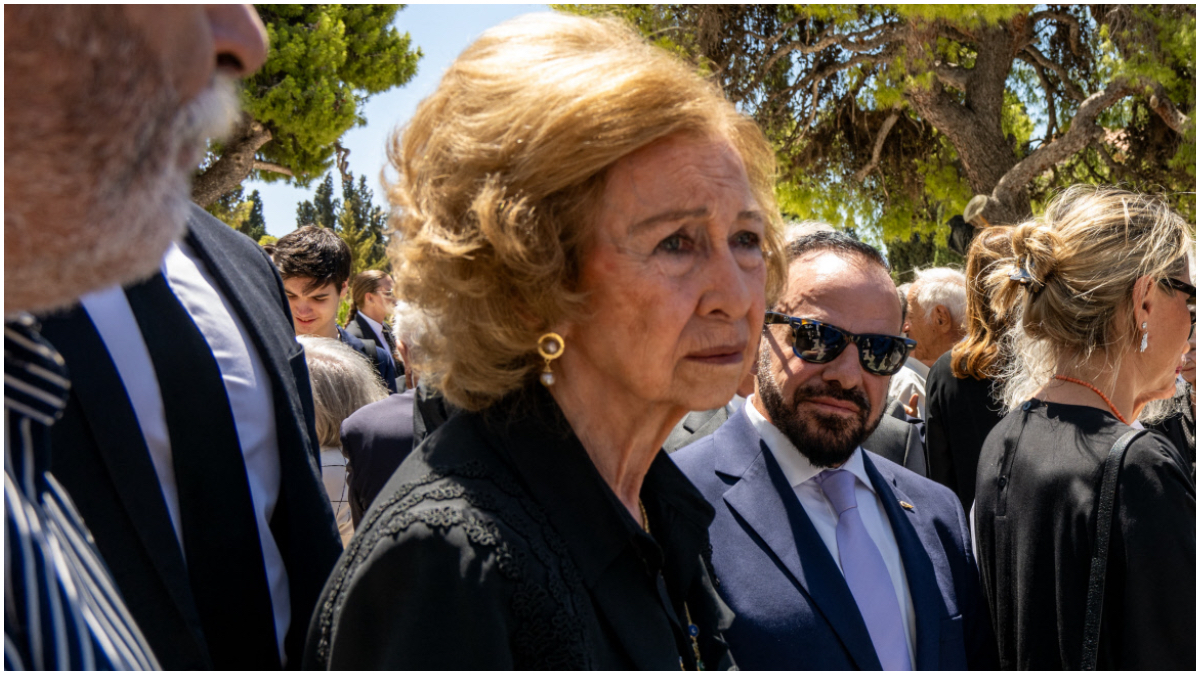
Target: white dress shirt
801,475
247,385
911,378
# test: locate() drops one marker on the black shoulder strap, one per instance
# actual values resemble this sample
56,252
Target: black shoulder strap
1104,518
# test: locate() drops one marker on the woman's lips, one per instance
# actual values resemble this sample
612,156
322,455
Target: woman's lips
719,356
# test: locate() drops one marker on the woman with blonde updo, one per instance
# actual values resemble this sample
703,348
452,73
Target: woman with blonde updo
960,390
589,227
1099,287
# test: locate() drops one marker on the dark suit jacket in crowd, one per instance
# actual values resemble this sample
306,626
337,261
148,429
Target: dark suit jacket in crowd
375,439
961,414
896,440
102,459
793,609
382,365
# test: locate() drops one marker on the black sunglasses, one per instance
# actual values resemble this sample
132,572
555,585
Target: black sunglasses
1190,290
818,342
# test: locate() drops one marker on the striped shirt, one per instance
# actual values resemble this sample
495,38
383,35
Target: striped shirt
62,610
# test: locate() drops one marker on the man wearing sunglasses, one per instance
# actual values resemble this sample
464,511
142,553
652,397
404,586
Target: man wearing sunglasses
833,557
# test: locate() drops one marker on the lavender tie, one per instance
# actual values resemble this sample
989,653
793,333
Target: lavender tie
866,573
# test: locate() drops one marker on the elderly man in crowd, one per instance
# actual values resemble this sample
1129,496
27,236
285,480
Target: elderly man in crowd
833,557
185,438
937,304
376,438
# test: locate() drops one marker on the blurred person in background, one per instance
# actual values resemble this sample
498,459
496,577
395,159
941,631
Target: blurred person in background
962,399
934,318
343,382
378,437
1103,302
315,265
371,303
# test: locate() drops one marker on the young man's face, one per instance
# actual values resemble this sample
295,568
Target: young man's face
314,310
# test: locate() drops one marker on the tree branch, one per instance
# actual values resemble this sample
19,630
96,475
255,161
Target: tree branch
1083,131
884,130
846,42
1068,86
1161,104
272,167
1062,17
951,75
235,163
1051,114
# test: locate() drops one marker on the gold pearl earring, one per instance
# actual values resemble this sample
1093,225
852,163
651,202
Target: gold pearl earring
550,346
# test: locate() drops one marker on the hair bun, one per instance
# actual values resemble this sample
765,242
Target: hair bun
1035,249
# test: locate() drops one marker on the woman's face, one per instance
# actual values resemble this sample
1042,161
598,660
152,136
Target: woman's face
1172,320
675,278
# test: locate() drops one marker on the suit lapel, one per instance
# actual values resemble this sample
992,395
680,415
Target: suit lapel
96,383
765,501
918,570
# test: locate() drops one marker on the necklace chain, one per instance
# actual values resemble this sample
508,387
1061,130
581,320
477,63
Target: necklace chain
692,630
1091,386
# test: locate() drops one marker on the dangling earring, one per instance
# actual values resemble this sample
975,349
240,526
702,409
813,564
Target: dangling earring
1145,337
550,346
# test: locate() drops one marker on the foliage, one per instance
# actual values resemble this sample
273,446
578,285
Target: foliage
244,214
889,118
325,62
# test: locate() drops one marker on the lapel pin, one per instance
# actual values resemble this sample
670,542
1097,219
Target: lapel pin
906,505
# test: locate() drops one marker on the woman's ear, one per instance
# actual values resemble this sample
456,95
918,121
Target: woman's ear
1143,299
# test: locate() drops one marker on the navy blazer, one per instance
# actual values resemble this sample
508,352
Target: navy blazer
794,609
100,455
383,365
375,439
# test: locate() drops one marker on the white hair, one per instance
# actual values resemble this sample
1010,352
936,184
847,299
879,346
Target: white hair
409,326
343,381
942,286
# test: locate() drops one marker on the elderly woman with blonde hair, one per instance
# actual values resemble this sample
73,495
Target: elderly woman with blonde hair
1102,303
342,382
591,229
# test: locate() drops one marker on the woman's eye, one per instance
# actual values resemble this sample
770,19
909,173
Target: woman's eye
676,243
746,239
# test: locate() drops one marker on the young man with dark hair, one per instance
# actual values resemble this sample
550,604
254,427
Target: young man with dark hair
315,265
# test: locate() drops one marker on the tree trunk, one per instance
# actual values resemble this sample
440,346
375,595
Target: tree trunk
974,127
235,164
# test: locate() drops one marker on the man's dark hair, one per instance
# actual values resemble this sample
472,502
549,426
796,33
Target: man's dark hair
316,253
833,241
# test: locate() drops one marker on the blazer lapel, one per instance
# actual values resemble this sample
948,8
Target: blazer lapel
918,569
103,403
766,502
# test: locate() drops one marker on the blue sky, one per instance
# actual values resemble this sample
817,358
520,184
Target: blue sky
441,31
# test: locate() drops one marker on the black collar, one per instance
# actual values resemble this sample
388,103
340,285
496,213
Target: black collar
596,528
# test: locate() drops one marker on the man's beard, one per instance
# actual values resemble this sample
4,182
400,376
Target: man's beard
109,157
826,440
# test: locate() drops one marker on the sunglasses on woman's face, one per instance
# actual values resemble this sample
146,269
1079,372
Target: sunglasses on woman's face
819,342
1190,291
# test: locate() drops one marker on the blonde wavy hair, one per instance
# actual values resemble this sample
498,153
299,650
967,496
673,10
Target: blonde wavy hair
1081,259
979,354
501,171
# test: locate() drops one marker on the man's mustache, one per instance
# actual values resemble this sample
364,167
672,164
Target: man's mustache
835,391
